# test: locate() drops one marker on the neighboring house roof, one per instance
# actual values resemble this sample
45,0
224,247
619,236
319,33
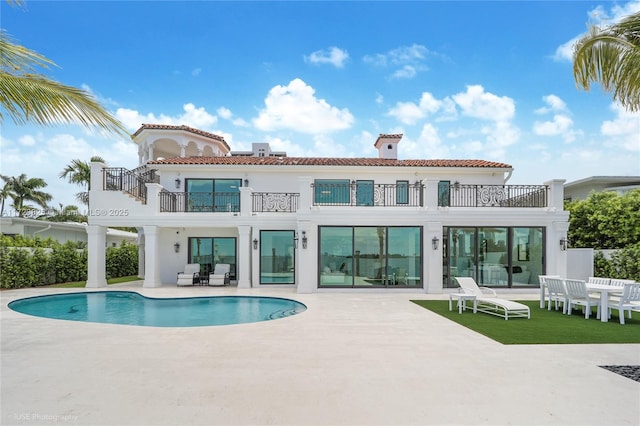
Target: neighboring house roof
68,226
605,180
181,128
322,161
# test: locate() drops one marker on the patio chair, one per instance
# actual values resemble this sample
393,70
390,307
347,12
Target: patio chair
190,275
487,301
542,279
557,293
599,280
629,301
220,275
578,294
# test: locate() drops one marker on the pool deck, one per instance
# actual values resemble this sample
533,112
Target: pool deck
353,358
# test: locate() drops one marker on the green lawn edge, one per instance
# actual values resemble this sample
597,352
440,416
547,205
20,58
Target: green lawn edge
544,327
78,284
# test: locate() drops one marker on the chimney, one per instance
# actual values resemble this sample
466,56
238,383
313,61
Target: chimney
388,146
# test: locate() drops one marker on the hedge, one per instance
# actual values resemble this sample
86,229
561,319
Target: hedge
41,262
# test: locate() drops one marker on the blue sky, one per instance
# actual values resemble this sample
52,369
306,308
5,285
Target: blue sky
460,80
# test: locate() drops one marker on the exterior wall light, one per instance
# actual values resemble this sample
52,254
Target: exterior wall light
177,182
434,243
246,182
304,239
563,243
255,244
176,247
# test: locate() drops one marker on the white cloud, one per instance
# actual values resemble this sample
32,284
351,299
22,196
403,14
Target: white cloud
554,103
599,17
409,112
561,125
192,116
408,60
226,114
27,140
296,107
623,131
475,102
196,72
333,56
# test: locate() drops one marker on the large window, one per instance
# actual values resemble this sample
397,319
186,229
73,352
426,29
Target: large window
277,257
370,256
209,251
494,256
213,195
332,191
402,192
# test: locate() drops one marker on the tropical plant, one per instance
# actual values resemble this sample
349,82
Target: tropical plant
30,97
69,213
611,56
79,173
6,192
26,190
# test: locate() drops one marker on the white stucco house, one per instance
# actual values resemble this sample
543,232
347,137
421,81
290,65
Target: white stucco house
61,231
321,224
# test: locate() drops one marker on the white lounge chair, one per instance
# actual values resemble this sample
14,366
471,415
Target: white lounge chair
629,301
220,275
578,294
487,301
599,280
190,275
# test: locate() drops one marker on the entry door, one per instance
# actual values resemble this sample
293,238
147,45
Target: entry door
364,193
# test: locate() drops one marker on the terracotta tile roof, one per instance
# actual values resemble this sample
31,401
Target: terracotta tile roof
182,128
322,161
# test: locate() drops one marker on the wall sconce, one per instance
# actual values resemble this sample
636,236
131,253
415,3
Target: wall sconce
246,182
456,185
177,182
563,244
434,243
176,247
304,239
255,244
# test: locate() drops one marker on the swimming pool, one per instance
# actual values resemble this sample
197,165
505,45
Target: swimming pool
125,307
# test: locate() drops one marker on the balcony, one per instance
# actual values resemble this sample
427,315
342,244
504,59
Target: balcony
199,202
458,195
275,202
366,193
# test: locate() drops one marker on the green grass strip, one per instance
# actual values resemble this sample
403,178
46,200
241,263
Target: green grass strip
544,327
78,284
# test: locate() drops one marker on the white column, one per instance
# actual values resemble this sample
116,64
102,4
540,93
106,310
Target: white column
307,268
306,194
140,253
95,183
96,256
556,194
433,275
151,257
182,151
243,262
246,207
556,257
431,196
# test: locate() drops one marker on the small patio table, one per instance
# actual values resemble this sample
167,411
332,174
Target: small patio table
462,300
604,291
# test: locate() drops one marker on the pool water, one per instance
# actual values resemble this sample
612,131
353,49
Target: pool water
124,307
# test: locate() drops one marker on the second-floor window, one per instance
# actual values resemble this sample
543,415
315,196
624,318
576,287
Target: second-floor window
332,191
213,195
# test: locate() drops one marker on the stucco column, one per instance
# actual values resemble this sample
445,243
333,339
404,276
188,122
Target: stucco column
306,194
433,257
306,268
556,257
151,152
431,196
243,266
246,206
151,260
96,256
140,253
95,183
556,194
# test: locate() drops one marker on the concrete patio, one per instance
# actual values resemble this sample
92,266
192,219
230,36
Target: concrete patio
353,358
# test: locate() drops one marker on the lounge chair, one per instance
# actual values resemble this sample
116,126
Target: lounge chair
629,301
487,301
220,275
190,275
577,294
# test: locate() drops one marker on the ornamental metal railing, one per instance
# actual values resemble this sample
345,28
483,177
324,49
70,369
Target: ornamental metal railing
368,194
199,202
121,179
274,202
460,195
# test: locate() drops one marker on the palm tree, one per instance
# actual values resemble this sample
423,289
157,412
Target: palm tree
68,213
28,190
79,173
611,56
6,192
29,97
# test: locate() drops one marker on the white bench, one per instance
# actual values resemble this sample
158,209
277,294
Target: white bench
501,307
